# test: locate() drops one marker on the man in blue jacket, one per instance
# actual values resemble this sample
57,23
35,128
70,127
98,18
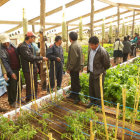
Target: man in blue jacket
55,54
11,63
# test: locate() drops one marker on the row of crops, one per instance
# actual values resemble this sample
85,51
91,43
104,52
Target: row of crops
125,76
37,125
67,121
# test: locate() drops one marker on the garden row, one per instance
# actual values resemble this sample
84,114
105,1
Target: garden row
123,76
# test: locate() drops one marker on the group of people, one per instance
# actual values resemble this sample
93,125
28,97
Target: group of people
13,58
123,48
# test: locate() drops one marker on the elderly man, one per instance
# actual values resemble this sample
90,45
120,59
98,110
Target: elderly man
11,62
98,63
74,66
26,55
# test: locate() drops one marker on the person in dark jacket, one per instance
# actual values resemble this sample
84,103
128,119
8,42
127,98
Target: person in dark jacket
74,66
55,54
126,49
11,63
98,63
26,55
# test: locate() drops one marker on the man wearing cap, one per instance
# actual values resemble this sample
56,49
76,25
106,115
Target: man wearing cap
26,55
11,62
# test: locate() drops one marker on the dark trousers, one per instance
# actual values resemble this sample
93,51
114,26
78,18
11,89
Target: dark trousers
29,93
125,56
133,50
94,89
75,84
58,74
12,88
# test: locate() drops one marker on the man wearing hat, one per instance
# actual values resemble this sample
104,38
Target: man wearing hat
11,62
27,55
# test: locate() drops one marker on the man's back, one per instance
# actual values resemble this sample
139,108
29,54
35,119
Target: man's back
75,59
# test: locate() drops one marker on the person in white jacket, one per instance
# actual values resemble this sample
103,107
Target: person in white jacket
118,51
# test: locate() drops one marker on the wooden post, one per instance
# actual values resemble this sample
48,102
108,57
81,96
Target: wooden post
25,23
124,103
117,114
67,42
92,18
48,79
50,136
91,131
136,104
55,82
133,23
33,28
102,101
42,42
118,21
20,91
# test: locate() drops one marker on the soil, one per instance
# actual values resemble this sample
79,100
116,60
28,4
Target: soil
66,107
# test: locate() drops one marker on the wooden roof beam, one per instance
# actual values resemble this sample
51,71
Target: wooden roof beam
129,5
74,2
83,16
101,20
2,2
105,23
116,4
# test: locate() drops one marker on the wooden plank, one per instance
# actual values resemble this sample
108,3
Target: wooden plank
35,23
109,17
2,2
15,28
133,23
42,41
109,2
101,20
108,23
116,4
33,28
92,18
48,13
74,2
10,22
83,16
118,20
129,5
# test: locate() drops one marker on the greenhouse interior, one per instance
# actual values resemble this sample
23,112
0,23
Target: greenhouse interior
69,69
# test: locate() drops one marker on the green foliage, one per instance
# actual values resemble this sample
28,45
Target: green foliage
13,131
85,53
78,122
115,79
110,51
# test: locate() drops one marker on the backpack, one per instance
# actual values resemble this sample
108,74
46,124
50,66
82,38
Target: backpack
138,42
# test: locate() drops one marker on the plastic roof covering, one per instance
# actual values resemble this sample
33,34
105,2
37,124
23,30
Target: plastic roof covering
12,11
